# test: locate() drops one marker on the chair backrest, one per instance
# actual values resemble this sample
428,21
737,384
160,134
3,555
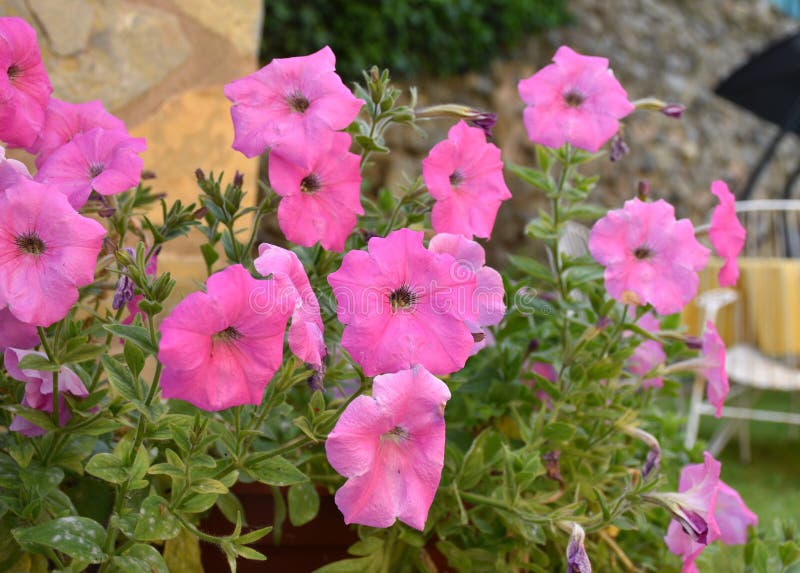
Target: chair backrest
773,227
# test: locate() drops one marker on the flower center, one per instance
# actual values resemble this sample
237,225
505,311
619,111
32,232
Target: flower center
13,72
298,102
30,243
311,183
228,335
397,434
642,253
95,169
456,178
402,298
574,98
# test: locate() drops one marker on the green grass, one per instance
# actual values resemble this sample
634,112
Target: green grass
769,484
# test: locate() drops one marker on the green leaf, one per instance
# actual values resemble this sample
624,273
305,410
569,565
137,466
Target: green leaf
140,558
558,431
208,485
136,334
210,255
303,503
156,522
199,502
134,358
121,378
254,535
366,546
532,268
250,553
79,537
40,480
36,417
35,361
789,552
83,352
107,467
274,471
533,177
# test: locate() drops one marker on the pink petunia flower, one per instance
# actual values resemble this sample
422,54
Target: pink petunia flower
25,88
727,234
649,353
64,120
649,256
221,347
694,525
15,333
730,516
321,189
404,305
47,251
575,100
390,446
306,331
11,171
300,97
98,160
39,391
464,174
487,300
713,351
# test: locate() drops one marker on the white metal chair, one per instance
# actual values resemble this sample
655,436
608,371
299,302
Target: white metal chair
773,228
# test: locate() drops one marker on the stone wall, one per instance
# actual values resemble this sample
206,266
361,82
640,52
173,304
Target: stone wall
160,65
677,50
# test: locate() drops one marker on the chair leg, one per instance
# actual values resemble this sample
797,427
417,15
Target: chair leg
693,419
744,441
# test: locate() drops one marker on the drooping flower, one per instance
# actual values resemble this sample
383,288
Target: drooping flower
132,303
221,347
390,446
733,516
727,515
65,120
306,331
464,174
489,293
25,88
693,525
11,171
577,559
14,333
575,100
649,353
39,390
47,251
300,96
321,189
649,256
403,305
100,160
713,352
727,234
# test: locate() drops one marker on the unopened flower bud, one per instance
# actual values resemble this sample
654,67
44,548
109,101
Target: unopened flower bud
201,177
533,345
577,559
673,110
643,190
106,211
123,293
124,257
200,213
603,322
238,179
147,174
317,379
693,342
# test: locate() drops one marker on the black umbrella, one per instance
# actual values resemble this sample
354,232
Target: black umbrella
768,85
